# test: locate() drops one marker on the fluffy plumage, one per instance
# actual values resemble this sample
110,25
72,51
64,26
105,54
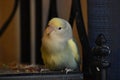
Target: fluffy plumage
59,50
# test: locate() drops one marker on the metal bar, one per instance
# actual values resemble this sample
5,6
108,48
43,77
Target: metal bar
84,40
52,9
25,31
38,30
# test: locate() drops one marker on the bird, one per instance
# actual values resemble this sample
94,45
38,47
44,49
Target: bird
59,49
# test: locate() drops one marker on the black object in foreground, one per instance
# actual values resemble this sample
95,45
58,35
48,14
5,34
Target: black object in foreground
100,63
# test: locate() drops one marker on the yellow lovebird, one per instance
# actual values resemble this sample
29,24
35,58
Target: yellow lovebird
59,50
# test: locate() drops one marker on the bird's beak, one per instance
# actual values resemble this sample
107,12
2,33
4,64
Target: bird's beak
49,29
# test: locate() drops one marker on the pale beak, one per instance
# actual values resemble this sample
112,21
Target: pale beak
49,29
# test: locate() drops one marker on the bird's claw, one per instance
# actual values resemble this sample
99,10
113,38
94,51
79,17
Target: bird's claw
44,70
68,70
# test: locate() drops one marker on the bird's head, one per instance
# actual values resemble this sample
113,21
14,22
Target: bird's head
59,28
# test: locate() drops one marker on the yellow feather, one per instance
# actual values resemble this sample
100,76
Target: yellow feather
56,22
74,49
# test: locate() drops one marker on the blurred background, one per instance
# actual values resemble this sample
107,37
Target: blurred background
10,40
20,41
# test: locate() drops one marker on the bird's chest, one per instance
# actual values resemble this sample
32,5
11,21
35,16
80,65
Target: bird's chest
57,60
56,46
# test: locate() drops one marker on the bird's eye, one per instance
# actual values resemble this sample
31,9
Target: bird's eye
59,28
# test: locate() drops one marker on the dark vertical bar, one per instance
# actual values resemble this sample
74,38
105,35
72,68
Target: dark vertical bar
38,30
76,13
103,74
72,13
52,9
25,30
84,40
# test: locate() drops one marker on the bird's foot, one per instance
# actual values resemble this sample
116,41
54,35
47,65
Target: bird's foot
67,70
44,70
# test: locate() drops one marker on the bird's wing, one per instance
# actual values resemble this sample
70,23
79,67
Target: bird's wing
74,49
